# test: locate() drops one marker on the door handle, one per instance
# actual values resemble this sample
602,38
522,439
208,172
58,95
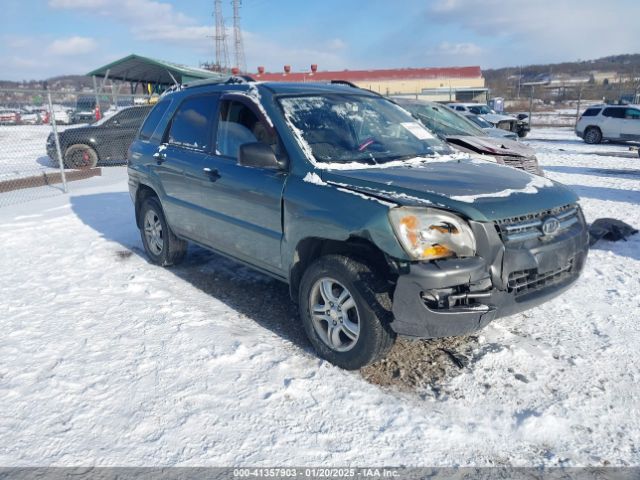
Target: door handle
160,157
212,173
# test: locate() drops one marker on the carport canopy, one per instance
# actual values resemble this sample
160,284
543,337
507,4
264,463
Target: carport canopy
137,69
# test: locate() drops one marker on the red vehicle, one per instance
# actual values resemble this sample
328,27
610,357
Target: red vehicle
9,117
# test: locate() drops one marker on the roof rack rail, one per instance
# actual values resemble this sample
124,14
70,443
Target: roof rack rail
344,82
353,85
240,79
228,80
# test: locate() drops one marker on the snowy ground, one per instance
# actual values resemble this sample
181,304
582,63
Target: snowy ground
24,151
108,360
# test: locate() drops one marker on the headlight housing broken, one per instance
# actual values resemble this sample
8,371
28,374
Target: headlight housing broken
429,233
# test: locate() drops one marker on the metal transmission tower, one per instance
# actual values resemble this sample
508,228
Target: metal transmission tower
222,51
237,35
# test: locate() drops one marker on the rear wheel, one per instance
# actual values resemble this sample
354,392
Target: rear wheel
80,156
592,135
161,245
345,308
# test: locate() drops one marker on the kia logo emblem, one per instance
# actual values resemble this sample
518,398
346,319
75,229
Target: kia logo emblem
550,226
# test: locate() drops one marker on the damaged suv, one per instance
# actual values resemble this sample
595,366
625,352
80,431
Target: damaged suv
378,227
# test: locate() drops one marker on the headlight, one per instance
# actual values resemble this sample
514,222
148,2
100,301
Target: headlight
429,233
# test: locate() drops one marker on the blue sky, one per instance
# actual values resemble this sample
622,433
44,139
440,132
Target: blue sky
41,38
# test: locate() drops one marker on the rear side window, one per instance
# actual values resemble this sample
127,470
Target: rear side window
191,125
152,120
132,117
591,112
632,114
613,112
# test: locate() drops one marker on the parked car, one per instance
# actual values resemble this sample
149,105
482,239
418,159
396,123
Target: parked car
9,117
105,140
488,128
499,120
609,122
30,117
85,111
346,197
464,135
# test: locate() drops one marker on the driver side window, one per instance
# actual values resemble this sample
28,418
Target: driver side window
237,125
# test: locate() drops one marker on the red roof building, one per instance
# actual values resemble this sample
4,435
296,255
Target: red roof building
435,83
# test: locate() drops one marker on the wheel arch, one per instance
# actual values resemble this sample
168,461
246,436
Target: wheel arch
311,248
142,193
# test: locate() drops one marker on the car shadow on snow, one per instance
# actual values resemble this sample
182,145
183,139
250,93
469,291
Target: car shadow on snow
632,173
424,366
607,194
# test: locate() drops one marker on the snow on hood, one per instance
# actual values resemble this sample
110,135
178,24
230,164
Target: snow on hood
533,186
482,190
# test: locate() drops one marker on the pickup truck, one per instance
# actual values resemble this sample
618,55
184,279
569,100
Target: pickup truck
378,227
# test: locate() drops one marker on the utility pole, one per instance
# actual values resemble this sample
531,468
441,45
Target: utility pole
237,36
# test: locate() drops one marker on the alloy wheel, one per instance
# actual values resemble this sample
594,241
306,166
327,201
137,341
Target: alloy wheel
334,314
153,232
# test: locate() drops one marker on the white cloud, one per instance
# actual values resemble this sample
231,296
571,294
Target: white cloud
274,55
77,3
545,30
72,46
457,49
151,20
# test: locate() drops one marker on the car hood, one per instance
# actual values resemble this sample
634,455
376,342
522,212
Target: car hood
492,145
478,189
77,131
500,133
496,117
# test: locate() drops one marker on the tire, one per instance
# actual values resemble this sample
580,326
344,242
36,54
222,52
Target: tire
367,306
160,244
522,133
80,156
592,135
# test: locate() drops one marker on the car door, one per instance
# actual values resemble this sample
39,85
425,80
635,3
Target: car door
181,166
126,127
612,122
631,124
248,200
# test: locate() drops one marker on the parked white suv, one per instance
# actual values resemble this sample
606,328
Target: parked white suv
609,122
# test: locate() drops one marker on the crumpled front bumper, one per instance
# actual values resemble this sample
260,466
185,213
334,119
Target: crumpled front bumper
459,296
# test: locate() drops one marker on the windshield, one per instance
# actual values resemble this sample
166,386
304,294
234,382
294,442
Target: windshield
481,122
480,109
443,120
358,128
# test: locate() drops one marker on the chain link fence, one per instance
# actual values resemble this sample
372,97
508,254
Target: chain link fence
48,140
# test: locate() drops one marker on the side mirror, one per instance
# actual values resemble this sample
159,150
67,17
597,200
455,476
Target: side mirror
258,155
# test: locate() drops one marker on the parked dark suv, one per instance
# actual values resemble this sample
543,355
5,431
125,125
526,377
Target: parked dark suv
376,225
107,140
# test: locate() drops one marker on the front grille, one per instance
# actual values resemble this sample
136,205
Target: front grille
528,164
527,281
527,227
507,125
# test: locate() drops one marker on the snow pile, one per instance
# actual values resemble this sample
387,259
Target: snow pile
535,183
108,360
312,177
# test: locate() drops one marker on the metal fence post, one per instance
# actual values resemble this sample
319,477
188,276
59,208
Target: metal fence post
578,107
55,136
530,106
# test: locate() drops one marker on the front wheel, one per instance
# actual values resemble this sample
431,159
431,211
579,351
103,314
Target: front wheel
345,308
161,245
80,156
592,135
